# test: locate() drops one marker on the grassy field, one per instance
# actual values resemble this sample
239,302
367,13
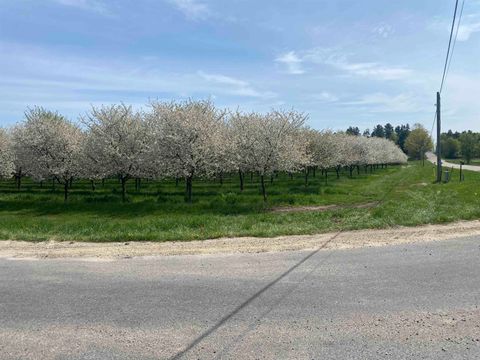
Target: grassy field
457,161
405,196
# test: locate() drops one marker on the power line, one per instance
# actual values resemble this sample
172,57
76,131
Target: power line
455,39
450,50
449,45
448,61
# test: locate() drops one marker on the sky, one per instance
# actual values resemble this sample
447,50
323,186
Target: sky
343,62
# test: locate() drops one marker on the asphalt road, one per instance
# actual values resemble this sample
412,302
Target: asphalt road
417,301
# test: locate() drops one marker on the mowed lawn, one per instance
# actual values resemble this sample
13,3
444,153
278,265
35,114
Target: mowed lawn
406,195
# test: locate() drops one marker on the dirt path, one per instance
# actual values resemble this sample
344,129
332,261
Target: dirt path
345,240
323,207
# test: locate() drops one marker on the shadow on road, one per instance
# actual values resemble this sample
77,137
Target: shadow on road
248,301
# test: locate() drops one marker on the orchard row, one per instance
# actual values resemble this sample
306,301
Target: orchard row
183,140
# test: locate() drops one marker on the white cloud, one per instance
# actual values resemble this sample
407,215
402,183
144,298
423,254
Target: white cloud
325,96
383,30
376,70
192,9
234,86
330,57
292,62
89,5
34,76
222,79
461,101
469,26
341,62
383,103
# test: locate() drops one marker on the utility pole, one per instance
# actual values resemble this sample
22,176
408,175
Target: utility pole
439,158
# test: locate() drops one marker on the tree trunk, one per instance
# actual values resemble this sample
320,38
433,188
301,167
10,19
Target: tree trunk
103,182
71,182
41,184
306,176
326,177
176,182
264,193
19,179
240,174
271,179
93,185
251,176
124,188
221,179
188,189
350,168
65,190
337,170
314,171
358,169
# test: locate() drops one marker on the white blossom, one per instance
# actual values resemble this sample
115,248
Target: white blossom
6,154
52,146
268,143
116,143
188,139
190,134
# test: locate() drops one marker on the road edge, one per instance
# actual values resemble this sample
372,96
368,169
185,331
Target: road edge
10,249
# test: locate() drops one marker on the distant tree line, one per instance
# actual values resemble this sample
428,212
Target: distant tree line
398,134
454,145
464,145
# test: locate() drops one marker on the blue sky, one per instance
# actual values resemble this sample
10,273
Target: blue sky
345,62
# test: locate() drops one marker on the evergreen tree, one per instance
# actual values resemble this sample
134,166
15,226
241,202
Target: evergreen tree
402,132
378,131
353,131
389,131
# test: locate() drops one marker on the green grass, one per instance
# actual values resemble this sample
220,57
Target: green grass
406,196
457,161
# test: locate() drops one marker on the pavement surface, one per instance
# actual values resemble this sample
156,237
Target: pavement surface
433,159
407,301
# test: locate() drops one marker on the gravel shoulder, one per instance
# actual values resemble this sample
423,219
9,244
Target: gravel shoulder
342,240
